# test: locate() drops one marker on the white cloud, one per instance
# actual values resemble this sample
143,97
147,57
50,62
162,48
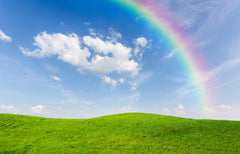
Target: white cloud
225,107
110,81
222,111
180,109
56,78
208,110
8,108
51,68
218,110
166,111
140,43
87,23
121,80
107,57
170,54
116,57
92,32
4,37
39,109
67,48
133,86
114,35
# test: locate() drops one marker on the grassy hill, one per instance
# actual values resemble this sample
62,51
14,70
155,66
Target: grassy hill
120,133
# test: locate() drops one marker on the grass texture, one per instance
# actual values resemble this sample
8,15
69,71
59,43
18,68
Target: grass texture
120,133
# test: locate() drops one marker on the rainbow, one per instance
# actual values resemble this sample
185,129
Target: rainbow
159,18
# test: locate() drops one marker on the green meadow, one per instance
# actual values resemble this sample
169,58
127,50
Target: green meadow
120,133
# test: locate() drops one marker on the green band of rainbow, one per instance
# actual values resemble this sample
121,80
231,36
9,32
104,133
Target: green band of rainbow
157,16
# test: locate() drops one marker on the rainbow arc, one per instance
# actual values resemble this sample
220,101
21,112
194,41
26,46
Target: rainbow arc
165,25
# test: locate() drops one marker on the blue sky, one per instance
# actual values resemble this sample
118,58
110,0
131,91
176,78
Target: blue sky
82,59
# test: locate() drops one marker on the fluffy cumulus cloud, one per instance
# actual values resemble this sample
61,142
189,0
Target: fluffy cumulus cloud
66,47
110,81
115,36
4,37
100,55
110,56
140,43
39,109
8,108
106,56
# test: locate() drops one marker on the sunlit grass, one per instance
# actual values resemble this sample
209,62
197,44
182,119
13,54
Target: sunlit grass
120,133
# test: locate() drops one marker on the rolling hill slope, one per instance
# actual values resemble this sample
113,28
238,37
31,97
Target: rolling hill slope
120,133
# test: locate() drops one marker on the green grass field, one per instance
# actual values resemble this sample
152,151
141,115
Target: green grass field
120,133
